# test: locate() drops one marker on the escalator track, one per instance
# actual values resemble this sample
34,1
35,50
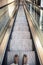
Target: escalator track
20,42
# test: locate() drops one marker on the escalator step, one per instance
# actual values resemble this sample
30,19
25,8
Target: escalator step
20,35
21,44
30,55
21,28
21,24
10,57
22,18
20,32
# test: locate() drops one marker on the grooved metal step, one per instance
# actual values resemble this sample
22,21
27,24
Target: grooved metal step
21,28
30,55
23,19
21,44
21,23
20,32
20,35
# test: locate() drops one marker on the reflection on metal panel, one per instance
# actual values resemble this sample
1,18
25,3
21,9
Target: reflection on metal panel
5,15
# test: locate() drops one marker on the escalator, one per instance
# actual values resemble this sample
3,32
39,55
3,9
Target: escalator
21,42
6,15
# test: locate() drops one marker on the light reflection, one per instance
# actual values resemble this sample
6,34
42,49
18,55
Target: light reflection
41,3
11,9
9,1
40,27
41,19
38,42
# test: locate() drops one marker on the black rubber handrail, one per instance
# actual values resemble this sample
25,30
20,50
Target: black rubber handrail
6,4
